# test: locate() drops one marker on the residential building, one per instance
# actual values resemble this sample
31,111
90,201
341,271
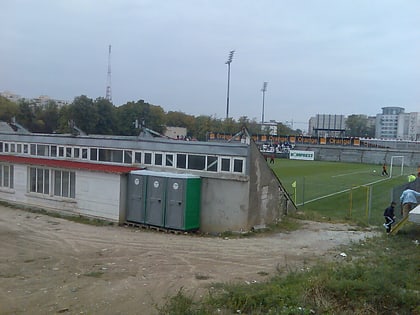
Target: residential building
39,101
394,123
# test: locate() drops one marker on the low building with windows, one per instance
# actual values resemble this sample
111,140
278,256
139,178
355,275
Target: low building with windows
90,175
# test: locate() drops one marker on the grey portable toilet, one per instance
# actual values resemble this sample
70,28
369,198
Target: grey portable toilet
183,198
170,200
155,200
136,203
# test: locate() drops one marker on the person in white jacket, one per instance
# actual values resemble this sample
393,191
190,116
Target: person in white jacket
408,201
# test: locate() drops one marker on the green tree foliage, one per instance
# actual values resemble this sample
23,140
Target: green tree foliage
8,109
202,125
180,119
357,126
101,117
282,129
252,125
106,123
49,115
26,115
84,114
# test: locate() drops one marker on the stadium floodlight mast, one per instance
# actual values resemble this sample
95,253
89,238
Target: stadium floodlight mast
228,62
263,90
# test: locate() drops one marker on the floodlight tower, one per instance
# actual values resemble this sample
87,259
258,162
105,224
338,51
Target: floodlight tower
108,82
263,90
228,62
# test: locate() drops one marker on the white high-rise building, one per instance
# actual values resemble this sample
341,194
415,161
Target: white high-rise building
394,123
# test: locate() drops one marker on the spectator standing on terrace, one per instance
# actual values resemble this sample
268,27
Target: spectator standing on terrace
389,216
384,172
408,201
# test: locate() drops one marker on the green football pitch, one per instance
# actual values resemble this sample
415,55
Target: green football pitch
339,191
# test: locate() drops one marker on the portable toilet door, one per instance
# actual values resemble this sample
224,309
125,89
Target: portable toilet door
183,203
175,204
136,198
155,200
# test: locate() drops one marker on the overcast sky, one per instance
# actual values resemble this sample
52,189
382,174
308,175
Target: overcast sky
318,56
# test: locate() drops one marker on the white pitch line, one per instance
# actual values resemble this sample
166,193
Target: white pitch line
343,191
346,174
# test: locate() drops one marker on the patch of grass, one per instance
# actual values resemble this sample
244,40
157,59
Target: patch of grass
382,277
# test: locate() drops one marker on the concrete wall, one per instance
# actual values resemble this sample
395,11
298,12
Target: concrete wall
268,200
224,205
361,155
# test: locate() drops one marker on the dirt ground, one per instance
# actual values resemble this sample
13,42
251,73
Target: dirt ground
50,265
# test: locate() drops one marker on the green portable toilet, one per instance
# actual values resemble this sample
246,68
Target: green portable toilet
183,199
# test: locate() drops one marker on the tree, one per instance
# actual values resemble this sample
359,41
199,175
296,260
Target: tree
8,109
202,125
26,116
283,129
180,119
49,116
106,122
84,114
357,126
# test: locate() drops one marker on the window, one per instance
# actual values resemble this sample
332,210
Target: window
1,146
169,160
225,164
25,149
84,154
128,157
12,147
93,154
158,158
64,184
39,180
76,153
212,163
137,157
61,151
19,148
33,149
108,155
181,161
238,165
196,162
54,151
42,150
68,152
148,158
6,176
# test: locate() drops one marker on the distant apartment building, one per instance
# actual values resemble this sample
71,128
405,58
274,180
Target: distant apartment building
11,96
394,123
40,101
327,125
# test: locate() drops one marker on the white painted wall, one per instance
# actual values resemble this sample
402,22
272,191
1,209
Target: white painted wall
97,194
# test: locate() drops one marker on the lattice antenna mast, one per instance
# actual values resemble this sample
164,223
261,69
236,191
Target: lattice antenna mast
108,81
